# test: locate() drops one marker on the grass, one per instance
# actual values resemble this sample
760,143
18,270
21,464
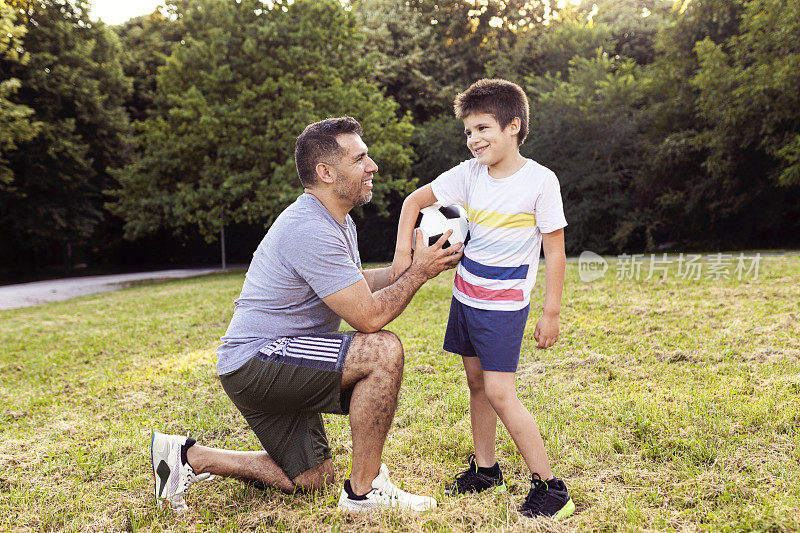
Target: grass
666,405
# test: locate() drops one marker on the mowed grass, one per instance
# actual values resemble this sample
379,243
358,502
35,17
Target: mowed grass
666,405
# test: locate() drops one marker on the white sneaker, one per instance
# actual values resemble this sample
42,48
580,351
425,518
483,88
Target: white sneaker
384,495
172,476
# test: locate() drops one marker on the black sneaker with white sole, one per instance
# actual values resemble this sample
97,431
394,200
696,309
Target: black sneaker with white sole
476,479
547,498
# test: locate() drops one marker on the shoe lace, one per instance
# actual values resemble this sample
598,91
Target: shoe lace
187,479
389,491
538,492
466,477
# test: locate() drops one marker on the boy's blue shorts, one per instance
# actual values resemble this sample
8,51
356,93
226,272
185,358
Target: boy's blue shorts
494,337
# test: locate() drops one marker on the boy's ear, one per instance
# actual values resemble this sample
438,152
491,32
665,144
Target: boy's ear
325,173
514,126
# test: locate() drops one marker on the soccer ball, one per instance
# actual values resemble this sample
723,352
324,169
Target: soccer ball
435,219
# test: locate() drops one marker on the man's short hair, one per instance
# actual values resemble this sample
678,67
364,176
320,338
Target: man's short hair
318,144
502,99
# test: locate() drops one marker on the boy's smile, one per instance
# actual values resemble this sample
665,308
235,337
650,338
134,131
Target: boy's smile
492,145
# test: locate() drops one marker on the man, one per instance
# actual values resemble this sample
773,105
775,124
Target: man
283,362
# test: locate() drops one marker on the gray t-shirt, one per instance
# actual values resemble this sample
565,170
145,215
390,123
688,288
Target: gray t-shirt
305,256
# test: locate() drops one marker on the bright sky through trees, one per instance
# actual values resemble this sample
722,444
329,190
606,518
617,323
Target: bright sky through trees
116,12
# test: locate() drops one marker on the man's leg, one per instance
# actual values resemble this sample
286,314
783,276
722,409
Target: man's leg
481,414
317,477
373,370
248,466
502,394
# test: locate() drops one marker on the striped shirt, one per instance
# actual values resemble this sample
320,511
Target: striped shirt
506,220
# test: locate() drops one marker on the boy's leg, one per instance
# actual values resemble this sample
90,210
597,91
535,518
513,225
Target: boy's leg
481,414
501,392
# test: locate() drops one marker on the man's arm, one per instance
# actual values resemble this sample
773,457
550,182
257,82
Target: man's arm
369,312
555,261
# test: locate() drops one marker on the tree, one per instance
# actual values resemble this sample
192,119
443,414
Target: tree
748,91
725,206
231,101
147,41
586,128
405,57
634,25
440,145
74,84
15,124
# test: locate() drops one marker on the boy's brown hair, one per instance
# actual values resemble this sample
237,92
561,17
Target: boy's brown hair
502,99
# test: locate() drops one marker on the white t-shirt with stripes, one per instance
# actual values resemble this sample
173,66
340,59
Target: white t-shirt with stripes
506,220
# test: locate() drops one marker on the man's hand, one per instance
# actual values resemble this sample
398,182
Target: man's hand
432,260
368,312
546,332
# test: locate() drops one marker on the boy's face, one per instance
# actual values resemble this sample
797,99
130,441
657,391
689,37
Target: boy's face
487,141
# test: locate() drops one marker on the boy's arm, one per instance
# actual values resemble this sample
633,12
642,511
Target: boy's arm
555,261
422,197
377,278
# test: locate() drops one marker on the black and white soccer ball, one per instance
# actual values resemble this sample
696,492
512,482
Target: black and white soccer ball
436,219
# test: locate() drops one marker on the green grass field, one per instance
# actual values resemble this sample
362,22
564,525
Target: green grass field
666,405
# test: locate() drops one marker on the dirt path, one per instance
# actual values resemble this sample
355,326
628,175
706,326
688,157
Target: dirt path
39,292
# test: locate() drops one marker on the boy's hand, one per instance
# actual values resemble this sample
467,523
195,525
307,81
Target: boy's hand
546,332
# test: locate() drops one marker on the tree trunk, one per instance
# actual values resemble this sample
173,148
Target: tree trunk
68,259
222,245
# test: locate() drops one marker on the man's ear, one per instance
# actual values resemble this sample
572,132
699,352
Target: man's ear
325,173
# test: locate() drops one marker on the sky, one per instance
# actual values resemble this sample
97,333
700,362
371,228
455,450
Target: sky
118,11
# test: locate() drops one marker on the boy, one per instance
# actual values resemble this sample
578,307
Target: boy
514,207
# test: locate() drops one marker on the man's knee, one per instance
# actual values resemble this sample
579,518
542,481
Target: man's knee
316,477
393,348
384,346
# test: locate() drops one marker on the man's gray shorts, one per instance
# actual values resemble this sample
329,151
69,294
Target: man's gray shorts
282,390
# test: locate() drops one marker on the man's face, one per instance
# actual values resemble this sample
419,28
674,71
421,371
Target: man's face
354,170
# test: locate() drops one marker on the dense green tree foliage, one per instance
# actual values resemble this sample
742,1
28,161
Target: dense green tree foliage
74,84
218,148
672,125
685,186
749,92
633,24
440,145
548,50
147,41
15,123
586,128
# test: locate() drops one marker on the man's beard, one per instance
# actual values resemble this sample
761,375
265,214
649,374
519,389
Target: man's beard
352,192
